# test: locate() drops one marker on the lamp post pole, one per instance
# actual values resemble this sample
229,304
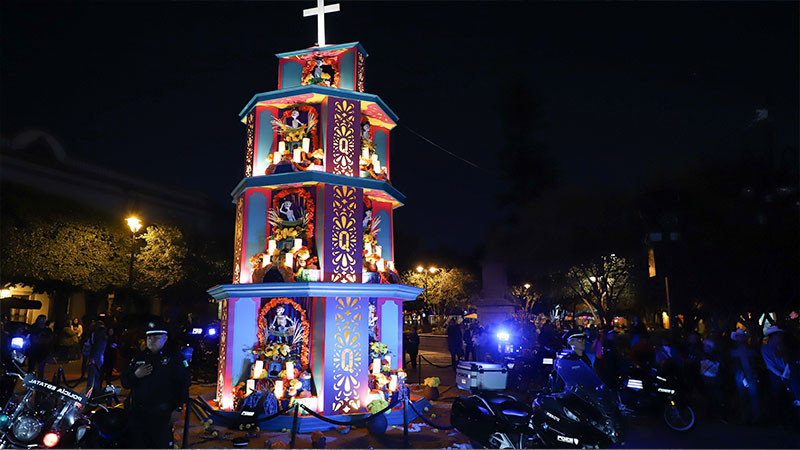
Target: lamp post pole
431,269
134,224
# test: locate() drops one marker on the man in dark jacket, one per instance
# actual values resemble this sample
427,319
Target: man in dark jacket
576,339
159,383
412,347
454,342
94,360
41,342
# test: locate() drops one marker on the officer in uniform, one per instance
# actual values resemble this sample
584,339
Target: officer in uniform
159,382
576,339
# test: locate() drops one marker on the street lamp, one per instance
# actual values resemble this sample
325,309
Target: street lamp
135,225
431,269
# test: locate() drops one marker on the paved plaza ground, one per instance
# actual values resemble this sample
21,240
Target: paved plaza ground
642,432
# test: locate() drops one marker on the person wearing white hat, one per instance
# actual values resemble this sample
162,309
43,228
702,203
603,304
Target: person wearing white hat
743,361
782,366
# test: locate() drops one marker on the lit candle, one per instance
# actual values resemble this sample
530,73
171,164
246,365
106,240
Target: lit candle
376,165
265,260
251,386
393,383
278,389
380,266
376,366
378,250
271,245
281,147
258,368
306,144
365,154
368,248
289,370
297,244
276,157
296,155
289,260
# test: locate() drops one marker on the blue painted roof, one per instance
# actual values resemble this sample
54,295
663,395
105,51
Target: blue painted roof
324,90
326,48
310,176
314,289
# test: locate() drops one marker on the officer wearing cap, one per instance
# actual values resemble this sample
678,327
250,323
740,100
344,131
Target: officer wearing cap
159,382
576,339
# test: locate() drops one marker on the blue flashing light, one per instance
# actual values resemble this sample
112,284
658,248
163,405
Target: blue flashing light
18,342
503,335
212,331
197,331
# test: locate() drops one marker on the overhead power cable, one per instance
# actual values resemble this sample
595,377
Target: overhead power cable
449,152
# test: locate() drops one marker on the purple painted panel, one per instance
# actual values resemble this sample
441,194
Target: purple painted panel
346,355
343,241
343,137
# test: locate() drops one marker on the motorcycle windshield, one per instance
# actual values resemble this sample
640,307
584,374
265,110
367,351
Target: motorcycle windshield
581,379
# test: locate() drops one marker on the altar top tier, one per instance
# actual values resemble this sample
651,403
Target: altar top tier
339,66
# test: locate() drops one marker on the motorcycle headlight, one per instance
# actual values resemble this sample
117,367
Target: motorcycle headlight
570,415
26,428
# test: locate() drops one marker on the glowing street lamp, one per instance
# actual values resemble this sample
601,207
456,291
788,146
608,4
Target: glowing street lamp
135,225
431,269
527,285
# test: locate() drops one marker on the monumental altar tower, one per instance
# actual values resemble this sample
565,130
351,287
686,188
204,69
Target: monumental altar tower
314,282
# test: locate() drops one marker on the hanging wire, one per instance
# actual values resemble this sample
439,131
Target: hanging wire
449,152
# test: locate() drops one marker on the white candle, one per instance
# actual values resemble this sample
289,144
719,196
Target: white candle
278,389
378,250
376,366
296,155
271,245
265,260
297,244
289,370
393,383
276,157
251,386
376,166
289,260
281,147
368,248
306,144
365,154
258,368
380,266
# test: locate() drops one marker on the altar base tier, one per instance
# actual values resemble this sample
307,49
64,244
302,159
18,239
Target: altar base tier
338,318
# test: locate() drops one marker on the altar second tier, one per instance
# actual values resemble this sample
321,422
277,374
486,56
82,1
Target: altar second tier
314,226
337,317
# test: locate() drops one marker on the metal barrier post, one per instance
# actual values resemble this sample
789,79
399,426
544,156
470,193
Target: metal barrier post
186,424
405,421
294,426
419,369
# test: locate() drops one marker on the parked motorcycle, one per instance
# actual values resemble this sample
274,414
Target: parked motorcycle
651,391
584,415
47,415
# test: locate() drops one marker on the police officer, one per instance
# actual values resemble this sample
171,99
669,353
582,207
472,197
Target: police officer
159,383
576,339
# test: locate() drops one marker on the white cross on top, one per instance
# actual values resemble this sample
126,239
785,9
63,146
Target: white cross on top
320,11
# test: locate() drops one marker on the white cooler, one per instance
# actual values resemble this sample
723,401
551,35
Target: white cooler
481,376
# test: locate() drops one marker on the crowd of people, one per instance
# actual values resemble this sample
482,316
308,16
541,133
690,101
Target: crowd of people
736,375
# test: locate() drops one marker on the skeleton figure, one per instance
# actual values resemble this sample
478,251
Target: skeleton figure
367,218
295,122
373,322
286,209
282,326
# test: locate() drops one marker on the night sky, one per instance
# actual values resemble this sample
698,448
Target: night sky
626,91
